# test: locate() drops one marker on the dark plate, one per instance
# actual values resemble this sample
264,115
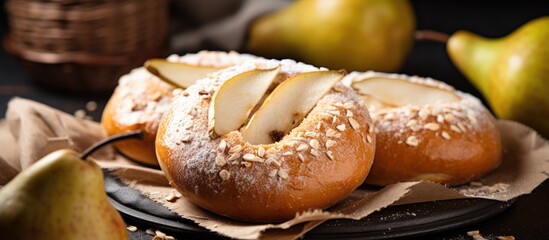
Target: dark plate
410,220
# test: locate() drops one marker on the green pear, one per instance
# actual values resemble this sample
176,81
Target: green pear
512,72
343,34
59,197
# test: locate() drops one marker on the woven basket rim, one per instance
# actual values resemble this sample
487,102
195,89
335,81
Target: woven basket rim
75,57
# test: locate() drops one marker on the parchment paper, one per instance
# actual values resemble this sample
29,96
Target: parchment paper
32,130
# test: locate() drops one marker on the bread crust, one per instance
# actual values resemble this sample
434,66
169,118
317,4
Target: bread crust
316,165
450,143
140,100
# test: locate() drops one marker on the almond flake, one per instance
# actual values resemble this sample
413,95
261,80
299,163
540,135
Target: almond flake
311,134
348,105
472,117
412,141
330,132
335,113
334,119
424,113
315,152
337,135
460,126
249,157
338,104
233,156
325,115
273,161
411,123
449,117
292,143
388,116
261,152
432,126
222,145
283,173
341,127
455,129
318,125
235,149
354,123
253,158
349,113
301,157
302,147
369,139
445,135
330,143
314,144
287,154
220,161
224,174
273,173
410,113
440,119
330,155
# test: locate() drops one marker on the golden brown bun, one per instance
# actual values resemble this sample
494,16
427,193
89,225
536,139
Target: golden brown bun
140,99
449,143
138,102
281,180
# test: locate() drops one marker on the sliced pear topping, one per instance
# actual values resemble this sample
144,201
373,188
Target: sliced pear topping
178,74
384,92
288,104
233,102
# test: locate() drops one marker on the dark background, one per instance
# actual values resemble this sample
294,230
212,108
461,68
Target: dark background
528,218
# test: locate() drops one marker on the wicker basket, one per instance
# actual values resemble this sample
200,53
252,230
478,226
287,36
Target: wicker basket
85,46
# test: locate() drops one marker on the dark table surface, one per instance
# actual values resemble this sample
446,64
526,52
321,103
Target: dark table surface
527,218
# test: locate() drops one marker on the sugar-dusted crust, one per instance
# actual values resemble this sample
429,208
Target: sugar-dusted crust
316,165
450,143
140,100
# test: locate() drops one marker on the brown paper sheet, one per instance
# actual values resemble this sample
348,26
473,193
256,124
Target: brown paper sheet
31,130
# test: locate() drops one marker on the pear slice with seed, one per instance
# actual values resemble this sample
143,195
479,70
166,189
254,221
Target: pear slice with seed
178,74
288,104
233,102
394,92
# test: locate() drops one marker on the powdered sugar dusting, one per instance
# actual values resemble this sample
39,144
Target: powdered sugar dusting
254,168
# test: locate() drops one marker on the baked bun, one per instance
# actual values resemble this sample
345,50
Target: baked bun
435,134
140,100
315,165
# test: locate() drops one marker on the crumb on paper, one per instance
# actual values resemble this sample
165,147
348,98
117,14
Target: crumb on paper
91,106
150,231
479,189
475,235
506,237
132,228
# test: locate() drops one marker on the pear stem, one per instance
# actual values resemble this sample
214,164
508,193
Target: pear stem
137,134
430,35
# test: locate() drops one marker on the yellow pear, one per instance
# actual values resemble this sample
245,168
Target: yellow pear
338,34
511,72
62,196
